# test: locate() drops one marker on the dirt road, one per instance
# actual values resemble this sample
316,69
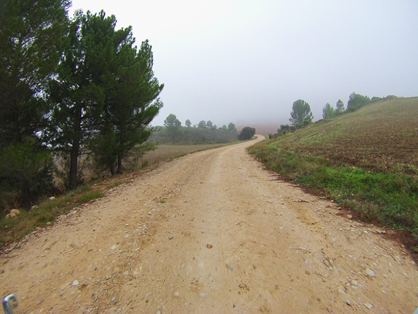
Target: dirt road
210,232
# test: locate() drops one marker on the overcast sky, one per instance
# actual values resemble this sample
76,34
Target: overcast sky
247,61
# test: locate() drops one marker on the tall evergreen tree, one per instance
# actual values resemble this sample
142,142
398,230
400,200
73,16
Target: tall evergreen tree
328,112
301,113
339,106
105,95
172,127
31,41
231,127
78,91
32,35
171,122
131,102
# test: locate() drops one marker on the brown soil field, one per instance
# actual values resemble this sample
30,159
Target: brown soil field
381,136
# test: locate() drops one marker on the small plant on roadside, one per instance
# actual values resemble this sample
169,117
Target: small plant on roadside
89,196
144,163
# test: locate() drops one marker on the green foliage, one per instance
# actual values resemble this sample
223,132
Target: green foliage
188,135
25,173
204,133
202,124
301,113
89,196
246,133
105,95
328,112
131,101
76,94
284,128
339,107
357,101
172,126
232,128
385,197
49,205
31,37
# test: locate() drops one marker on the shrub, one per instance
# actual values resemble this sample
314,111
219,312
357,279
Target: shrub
25,173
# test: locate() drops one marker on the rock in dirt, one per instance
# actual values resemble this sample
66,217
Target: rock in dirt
368,305
370,272
13,213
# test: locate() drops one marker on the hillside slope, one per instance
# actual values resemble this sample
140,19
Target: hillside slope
381,136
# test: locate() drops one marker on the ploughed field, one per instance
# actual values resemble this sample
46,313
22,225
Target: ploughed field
382,136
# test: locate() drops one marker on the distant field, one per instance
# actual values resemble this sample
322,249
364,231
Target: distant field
366,161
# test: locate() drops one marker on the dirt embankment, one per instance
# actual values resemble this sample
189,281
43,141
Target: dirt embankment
210,233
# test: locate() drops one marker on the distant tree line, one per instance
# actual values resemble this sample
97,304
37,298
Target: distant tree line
69,88
301,114
205,132
355,102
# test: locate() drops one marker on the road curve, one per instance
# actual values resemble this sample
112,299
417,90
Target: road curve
210,232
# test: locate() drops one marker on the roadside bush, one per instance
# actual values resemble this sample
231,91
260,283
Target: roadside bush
246,133
25,174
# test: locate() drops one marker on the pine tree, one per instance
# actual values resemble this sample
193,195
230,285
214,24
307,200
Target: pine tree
32,36
105,95
131,103
328,112
301,113
31,39
78,91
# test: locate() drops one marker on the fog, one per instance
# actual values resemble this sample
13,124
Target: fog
246,62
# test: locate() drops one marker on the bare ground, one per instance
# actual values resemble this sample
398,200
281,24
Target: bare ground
210,232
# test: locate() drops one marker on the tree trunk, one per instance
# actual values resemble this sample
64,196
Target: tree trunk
74,164
119,163
75,149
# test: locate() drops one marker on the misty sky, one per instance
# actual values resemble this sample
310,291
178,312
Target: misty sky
248,61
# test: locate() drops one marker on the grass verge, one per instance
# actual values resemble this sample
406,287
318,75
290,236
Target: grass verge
387,198
45,213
